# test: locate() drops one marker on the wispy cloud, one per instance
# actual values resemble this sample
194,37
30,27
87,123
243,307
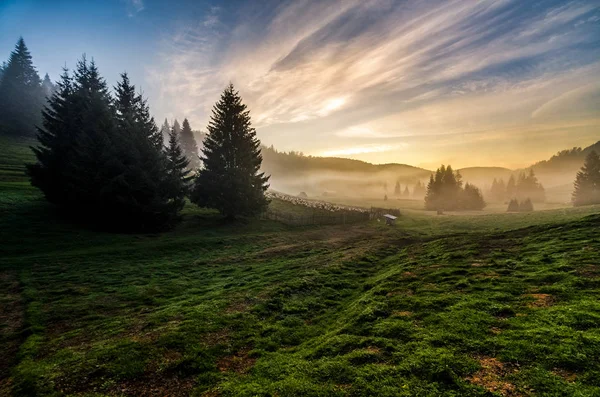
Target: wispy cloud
134,6
360,74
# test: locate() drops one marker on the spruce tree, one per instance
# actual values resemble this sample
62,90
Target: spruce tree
188,144
177,170
56,143
513,205
21,97
526,205
98,160
587,182
397,189
47,87
230,180
177,128
511,188
472,198
2,69
406,192
165,130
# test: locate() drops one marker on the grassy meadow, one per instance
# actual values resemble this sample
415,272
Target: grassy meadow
472,305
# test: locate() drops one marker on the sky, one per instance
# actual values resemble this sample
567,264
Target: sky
467,83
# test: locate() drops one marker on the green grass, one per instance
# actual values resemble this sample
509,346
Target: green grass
498,304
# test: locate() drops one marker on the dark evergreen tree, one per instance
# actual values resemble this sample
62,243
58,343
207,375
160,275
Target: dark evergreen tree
587,182
177,170
230,180
406,192
57,143
445,192
98,160
21,97
188,144
2,69
397,190
513,205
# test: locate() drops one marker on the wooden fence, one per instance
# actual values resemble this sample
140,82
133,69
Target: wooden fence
323,218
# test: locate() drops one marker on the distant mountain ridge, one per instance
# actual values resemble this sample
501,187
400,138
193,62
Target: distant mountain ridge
293,171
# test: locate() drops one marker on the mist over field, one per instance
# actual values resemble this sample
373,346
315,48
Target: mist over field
299,198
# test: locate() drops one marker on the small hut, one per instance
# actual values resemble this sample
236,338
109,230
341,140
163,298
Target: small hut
390,219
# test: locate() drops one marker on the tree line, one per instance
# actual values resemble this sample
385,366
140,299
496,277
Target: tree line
526,186
445,191
101,158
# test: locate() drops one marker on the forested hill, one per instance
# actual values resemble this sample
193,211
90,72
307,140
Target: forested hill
294,172
565,160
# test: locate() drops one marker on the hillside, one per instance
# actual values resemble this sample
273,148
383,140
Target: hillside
293,173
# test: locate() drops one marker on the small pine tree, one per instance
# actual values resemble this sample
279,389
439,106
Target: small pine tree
177,128
188,144
385,197
513,206
230,180
472,198
397,189
406,192
587,182
21,96
47,87
526,205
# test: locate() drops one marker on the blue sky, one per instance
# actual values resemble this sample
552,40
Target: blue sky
423,82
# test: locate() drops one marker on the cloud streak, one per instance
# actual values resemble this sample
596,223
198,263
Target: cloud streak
366,74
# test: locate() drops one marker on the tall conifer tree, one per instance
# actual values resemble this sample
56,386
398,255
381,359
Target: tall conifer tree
165,130
21,96
98,158
587,182
188,144
177,169
230,180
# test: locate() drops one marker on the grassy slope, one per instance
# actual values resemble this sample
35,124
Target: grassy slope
435,306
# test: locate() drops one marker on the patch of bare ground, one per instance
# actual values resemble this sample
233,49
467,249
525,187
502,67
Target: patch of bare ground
589,271
540,300
492,377
239,362
216,338
238,306
155,385
496,330
568,376
402,314
11,323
